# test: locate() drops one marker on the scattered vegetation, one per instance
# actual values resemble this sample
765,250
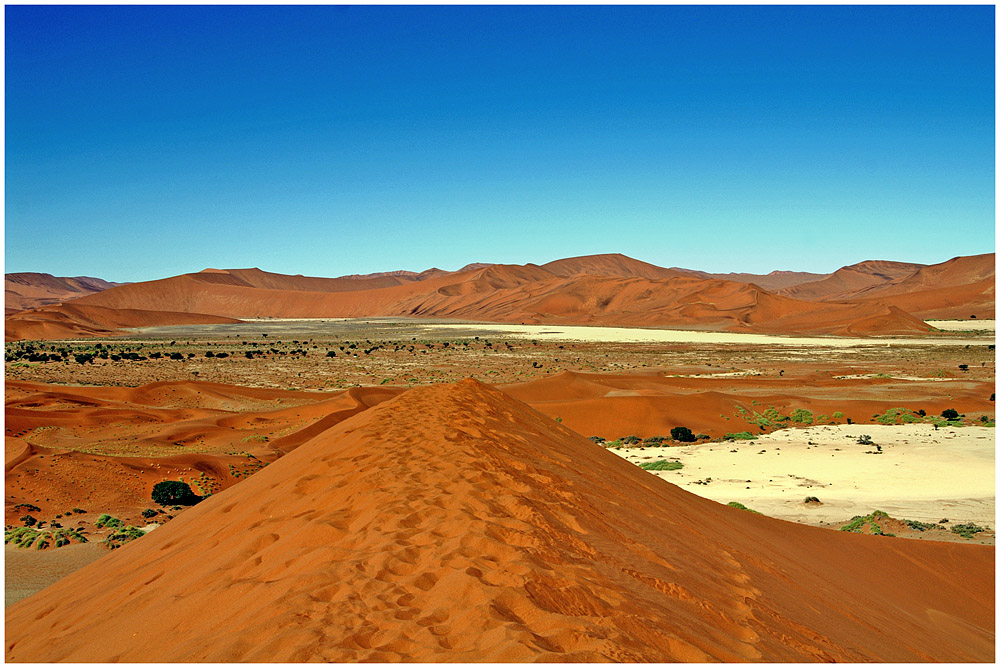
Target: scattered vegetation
737,504
121,535
859,523
739,436
25,537
968,530
661,465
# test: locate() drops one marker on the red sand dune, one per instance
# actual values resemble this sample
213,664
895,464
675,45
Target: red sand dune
187,429
609,264
30,290
596,290
613,406
958,288
454,523
848,281
75,319
773,281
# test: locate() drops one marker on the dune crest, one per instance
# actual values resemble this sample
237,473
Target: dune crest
454,523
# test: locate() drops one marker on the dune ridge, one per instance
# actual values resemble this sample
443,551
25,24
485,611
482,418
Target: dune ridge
27,290
454,523
594,290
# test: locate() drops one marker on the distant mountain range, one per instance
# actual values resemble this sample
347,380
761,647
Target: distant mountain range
872,297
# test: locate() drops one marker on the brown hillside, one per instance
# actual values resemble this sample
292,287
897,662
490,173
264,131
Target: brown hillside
75,319
497,293
846,282
30,290
773,281
610,264
454,523
958,288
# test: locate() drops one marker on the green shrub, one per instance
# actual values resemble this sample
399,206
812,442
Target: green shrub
740,506
837,415
802,416
949,414
148,512
739,436
661,465
858,523
968,530
122,535
106,520
682,435
170,492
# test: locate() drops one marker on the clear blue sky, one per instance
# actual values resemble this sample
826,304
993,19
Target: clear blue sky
144,142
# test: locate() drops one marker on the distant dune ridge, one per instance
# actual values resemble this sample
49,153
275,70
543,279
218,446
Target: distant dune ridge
31,290
869,298
454,523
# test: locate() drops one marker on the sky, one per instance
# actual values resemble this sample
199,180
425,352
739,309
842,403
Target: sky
145,142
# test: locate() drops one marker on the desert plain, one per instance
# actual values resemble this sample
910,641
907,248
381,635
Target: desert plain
592,460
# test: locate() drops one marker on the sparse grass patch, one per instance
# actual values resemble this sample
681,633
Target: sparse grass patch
859,522
661,465
739,436
737,504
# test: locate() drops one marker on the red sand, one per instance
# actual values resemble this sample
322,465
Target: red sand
847,282
454,523
595,290
183,429
31,290
167,430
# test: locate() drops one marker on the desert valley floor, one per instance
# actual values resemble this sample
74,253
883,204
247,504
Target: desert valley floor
364,474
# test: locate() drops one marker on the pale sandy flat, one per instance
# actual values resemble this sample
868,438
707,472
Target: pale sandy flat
923,474
637,335
964,325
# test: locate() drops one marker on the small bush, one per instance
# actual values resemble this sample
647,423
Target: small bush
949,414
739,436
682,435
802,416
631,440
865,439
148,512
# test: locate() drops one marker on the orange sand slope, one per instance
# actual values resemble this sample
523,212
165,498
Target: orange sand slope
647,405
454,523
104,448
30,290
846,282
